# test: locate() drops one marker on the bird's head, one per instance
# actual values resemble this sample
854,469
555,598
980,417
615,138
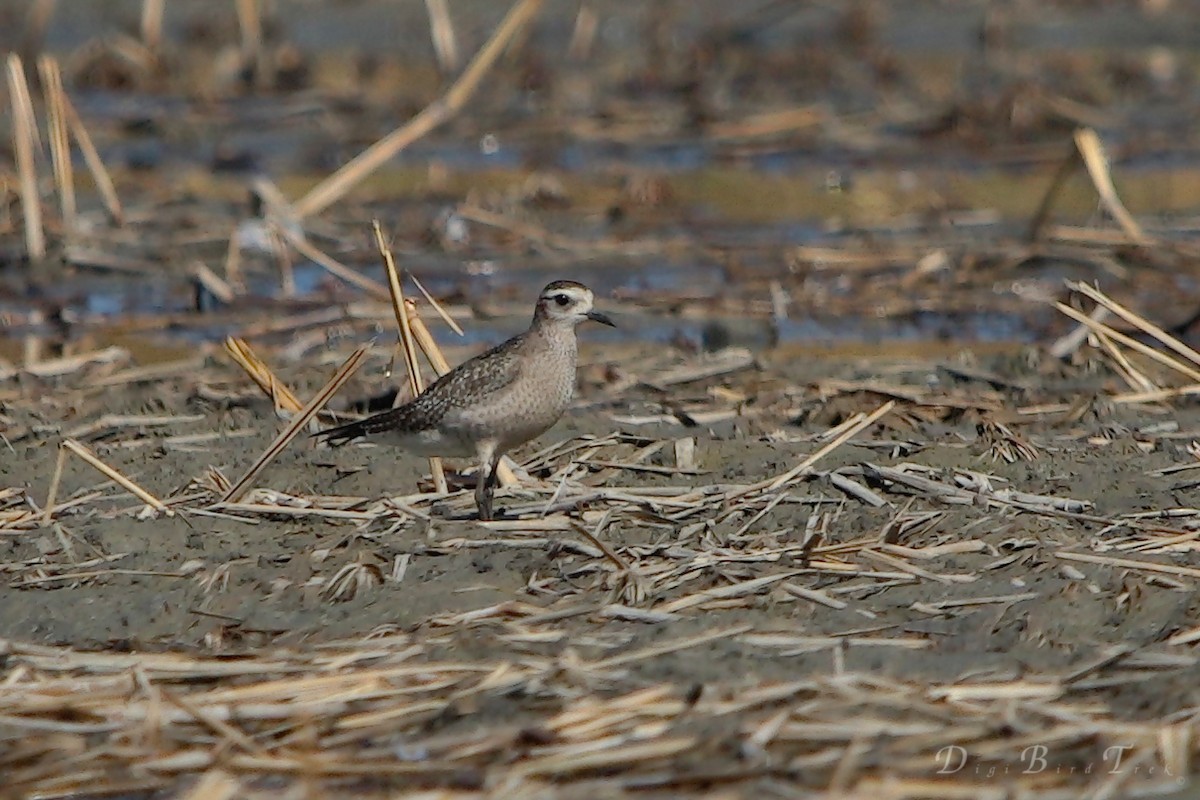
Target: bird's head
568,302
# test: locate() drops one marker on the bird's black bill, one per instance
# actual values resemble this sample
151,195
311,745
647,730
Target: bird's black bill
596,316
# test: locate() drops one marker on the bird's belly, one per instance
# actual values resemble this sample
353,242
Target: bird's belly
432,442
511,429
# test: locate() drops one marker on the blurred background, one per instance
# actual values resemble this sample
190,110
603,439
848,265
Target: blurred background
752,173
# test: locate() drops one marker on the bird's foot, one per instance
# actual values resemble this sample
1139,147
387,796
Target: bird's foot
496,514
486,512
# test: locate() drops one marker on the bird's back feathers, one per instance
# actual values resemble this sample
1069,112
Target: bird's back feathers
468,384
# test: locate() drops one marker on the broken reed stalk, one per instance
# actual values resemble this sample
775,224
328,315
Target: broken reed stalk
1069,342
25,144
1091,150
348,368
55,481
1157,395
424,339
1146,350
441,30
128,485
603,546
281,396
432,116
95,164
1088,150
1137,381
331,265
1136,320
441,312
60,143
213,283
769,123
401,310
846,435
583,35
152,22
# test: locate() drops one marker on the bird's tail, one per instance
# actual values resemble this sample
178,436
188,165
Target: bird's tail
342,433
363,427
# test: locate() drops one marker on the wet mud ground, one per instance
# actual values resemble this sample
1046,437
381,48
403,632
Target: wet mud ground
225,582
876,580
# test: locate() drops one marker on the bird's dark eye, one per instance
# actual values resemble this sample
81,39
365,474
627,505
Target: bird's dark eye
562,299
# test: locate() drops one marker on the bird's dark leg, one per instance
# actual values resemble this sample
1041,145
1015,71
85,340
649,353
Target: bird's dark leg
483,491
485,486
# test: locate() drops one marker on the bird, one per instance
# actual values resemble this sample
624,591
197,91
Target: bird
497,400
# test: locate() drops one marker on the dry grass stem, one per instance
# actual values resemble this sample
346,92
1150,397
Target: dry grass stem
286,404
441,29
1133,344
67,365
1129,563
213,283
1129,373
1136,320
25,145
433,116
1068,343
402,311
331,265
55,482
233,262
848,433
60,145
95,164
151,23
297,424
1096,161
436,306
94,461
769,123
583,35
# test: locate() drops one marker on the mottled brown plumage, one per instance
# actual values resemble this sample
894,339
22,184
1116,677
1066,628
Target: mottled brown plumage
496,401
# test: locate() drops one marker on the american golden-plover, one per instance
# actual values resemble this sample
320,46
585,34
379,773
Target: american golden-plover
496,401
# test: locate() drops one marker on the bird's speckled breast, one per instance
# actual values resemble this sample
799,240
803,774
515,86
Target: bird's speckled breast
532,404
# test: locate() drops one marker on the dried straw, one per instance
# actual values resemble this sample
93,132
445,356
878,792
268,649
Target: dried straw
25,144
441,30
343,374
60,146
286,403
434,115
401,310
91,459
152,23
1094,158
91,157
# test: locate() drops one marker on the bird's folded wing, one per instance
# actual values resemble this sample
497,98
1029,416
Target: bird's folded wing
468,384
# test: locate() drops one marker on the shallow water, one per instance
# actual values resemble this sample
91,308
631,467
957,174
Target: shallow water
873,179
